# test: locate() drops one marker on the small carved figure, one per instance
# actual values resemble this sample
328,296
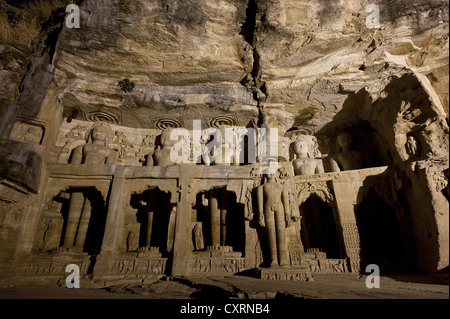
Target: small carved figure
273,206
96,150
132,237
33,134
305,163
198,237
121,138
146,148
48,232
347,158
77,132
412,147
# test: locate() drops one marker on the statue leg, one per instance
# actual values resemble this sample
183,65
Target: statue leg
281,237
149,228
223,218
84,224
171,231
214,214
73,217
271,230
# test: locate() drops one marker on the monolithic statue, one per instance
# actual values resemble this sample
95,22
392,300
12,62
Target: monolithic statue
161,157
306,163
96,150
273,207
412,148
218,213
347,158
149,203
78,219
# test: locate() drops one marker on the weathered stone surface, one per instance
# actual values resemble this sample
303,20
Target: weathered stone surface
302,67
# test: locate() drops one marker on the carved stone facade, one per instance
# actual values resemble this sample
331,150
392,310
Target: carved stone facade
321,173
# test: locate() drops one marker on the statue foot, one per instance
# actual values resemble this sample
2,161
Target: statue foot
273,264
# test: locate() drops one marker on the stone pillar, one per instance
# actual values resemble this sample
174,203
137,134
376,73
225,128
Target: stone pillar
182,240
112,239
345,204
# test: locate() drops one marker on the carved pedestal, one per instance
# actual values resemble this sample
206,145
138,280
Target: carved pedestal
297,273
217,261
52,266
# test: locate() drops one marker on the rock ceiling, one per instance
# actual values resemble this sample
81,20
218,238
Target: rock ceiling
296,60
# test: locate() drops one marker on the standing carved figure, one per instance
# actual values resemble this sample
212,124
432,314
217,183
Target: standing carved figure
218,202
198,237
273,206
412,148
306,163
95,152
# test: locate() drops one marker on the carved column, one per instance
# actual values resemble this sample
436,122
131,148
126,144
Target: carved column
345,204
182,239
115,216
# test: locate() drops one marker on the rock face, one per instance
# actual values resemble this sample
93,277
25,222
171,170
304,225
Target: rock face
307,68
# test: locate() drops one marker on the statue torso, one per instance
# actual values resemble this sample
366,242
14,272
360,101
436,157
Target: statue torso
351,160
272,193
162,157
305,166
95,154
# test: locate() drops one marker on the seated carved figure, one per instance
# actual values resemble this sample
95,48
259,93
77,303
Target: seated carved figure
96,150
161,157
347,158
305,163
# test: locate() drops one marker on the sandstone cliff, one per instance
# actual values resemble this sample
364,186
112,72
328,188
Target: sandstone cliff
310,64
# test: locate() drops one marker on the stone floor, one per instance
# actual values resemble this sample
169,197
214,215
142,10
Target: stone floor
323,286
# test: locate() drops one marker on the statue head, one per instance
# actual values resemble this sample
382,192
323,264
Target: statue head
345,140
165,138
100,132
306,146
